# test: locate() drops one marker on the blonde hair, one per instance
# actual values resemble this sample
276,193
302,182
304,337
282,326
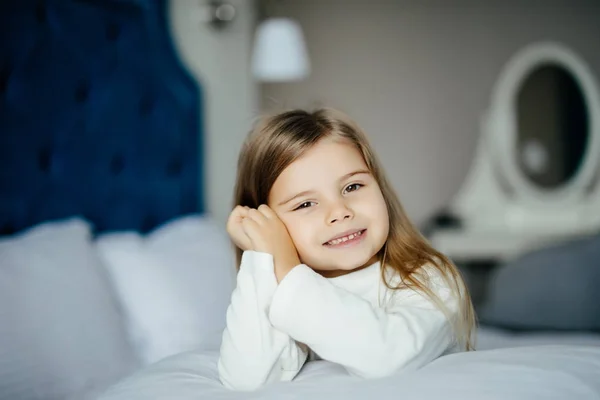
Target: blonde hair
277,141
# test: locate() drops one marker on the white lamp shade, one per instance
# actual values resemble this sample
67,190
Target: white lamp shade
280,51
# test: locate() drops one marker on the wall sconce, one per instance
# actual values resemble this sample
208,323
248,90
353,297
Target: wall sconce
280,51
217,13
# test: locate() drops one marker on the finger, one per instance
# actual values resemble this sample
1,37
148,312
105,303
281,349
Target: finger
241,210
267,211
237,215
235,219
249,223
257,216
250,228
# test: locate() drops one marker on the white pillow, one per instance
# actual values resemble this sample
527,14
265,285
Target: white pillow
174,284
61,332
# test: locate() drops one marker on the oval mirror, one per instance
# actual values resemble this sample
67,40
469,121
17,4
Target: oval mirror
553,126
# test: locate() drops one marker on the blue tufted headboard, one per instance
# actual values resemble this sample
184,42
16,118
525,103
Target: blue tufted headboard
98,118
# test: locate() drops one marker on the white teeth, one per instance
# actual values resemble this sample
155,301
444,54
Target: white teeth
344,239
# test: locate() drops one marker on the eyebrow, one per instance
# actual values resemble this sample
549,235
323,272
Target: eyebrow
307,192
351,174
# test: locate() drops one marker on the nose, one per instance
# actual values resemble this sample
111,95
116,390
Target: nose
339,212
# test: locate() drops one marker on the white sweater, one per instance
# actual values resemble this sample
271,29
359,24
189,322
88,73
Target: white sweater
352,320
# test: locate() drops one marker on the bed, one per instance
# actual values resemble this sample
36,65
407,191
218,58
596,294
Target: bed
506,365
113,281
531,373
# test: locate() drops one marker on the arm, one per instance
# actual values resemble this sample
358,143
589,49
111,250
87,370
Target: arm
344,328
254,353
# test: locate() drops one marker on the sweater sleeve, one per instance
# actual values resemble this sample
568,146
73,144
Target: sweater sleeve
367,340
253,352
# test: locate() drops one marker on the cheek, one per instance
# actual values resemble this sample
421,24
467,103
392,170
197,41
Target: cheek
378,210
384,216
297,229
301,231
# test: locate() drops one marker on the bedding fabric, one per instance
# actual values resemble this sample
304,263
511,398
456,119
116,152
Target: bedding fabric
174,284
61,331
528,373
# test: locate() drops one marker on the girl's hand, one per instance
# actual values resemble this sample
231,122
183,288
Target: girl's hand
268,234
235,229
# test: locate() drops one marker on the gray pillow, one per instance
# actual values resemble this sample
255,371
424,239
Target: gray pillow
61,333
557,288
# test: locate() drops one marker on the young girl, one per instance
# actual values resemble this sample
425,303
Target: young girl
330,265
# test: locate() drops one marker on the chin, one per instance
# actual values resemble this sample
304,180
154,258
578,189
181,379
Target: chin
352,262
355,264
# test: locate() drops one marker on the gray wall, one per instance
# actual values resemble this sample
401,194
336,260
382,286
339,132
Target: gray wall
220,61
417,75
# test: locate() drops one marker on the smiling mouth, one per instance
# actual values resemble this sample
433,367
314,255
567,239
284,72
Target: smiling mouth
352,237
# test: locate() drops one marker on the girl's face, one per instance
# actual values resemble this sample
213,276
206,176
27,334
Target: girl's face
332,207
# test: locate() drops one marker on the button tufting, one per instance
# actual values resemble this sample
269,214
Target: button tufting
117,164
82,92
7,229
174,167
146,105
101,86
148,223
44,159
4,77
113,31
40,12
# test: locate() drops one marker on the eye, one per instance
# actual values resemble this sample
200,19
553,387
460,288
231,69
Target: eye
306,204
352,187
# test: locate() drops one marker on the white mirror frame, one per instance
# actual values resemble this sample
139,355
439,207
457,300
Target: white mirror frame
502,213
502,125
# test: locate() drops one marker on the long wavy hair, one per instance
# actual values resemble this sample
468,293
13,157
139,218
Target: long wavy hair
278,140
